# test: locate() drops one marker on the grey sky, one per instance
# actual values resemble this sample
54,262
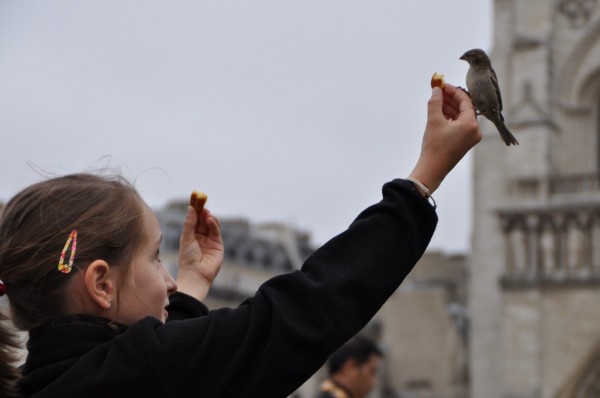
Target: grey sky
293,111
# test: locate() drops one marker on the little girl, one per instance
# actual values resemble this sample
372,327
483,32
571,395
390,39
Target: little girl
80,264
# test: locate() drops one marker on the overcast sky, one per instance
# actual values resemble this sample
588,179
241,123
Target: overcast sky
290,111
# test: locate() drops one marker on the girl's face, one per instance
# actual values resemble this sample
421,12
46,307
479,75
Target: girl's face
146,289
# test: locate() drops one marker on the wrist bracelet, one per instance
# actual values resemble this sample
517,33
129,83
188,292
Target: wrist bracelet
423,188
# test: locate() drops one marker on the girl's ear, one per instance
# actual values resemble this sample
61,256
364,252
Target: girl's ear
99,283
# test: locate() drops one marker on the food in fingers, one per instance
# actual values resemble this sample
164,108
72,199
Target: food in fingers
437,80
198,200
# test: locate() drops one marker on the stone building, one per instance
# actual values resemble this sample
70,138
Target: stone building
535,261
253,252
424,331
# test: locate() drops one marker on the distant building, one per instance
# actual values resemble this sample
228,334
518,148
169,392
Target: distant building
253,252
535,261
424,331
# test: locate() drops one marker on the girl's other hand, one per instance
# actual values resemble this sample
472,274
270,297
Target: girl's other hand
201,253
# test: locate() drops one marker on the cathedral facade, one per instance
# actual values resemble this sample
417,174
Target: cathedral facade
534,296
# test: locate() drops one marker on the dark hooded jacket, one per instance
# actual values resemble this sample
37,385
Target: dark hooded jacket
266,347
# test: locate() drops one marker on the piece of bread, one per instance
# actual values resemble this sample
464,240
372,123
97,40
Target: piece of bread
198,200
437,80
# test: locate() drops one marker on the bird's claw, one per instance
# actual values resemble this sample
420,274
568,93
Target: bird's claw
477,113
464,90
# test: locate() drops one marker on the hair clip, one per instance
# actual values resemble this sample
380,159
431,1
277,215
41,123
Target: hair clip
2,288
65,269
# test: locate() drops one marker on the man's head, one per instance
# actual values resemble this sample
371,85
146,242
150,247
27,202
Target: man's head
354,365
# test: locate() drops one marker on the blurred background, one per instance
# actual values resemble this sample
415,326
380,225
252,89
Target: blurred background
292,115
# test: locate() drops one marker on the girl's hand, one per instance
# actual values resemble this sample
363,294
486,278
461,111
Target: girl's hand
451,131
200,253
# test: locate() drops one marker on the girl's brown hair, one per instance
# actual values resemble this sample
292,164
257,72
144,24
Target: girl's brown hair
34,226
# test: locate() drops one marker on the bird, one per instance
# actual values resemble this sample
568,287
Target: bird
482,86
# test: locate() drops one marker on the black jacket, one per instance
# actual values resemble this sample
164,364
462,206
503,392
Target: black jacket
266,347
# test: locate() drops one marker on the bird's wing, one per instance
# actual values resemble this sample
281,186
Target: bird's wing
494,80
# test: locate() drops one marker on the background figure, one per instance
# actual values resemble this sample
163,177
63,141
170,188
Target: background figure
352,369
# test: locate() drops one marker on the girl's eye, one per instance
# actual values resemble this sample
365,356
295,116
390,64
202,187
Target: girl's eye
157,256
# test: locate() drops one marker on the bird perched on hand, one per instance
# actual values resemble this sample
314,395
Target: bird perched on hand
482,84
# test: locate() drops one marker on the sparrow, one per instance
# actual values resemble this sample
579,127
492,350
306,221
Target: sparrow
482,84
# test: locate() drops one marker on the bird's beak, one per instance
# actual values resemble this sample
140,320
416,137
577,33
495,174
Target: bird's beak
463,57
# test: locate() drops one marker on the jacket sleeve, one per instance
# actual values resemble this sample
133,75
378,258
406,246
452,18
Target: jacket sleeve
274,341
181,306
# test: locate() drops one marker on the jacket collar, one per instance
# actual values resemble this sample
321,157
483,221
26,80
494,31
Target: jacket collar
56,345
335,389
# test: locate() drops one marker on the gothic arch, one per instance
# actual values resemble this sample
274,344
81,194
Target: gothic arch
590,87
577,149
571,85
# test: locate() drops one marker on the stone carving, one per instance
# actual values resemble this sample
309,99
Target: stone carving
517,251
577,11
554,245
524,42
548,251
528,110
567,91
595,249
574,248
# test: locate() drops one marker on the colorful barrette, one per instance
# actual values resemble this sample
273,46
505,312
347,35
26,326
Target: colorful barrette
72,241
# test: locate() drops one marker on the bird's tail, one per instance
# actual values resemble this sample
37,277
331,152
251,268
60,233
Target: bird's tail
506,135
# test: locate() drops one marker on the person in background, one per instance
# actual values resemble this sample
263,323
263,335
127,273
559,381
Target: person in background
352,369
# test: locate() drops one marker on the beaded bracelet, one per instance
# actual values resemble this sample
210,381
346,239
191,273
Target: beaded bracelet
424,189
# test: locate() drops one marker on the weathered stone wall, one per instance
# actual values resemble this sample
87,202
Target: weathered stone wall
535,280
